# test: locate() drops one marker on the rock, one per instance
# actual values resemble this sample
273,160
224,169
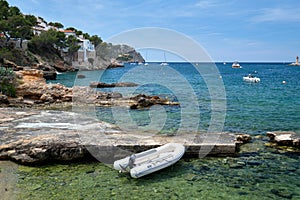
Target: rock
62,66
110,56
3,99
125,84
143,101
37,136
50,75
80,76
285,138
109,85
46,97
33,88
243,138
115,65
10,64
114,95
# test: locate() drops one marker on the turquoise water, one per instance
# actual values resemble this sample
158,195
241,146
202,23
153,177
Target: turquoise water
250,108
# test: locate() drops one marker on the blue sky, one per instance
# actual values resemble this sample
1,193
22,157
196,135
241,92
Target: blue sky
244,30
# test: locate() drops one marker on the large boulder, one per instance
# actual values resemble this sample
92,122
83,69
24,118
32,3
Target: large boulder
33,88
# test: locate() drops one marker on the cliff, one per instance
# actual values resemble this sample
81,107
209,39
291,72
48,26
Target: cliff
109,56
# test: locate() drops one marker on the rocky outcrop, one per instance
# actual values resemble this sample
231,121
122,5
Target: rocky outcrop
44,136
111,56
12,65
61,66
32,89
143,101
285,138
32,137
115,65
110,85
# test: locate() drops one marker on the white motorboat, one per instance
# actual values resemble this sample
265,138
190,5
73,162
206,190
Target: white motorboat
236,65
150,161
164,64
251,78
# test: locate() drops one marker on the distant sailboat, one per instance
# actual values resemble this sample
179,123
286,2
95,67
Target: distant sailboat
146,58
164,63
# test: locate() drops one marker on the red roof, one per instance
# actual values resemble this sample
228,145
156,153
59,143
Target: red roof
67,31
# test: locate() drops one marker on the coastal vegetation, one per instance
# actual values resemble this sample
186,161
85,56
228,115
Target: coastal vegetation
7,82
17,28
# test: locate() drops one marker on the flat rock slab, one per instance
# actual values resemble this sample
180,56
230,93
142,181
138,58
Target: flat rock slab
285,138
35,136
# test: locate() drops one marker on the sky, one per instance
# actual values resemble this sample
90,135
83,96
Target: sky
228,30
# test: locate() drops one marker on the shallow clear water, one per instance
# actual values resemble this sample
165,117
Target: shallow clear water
257,173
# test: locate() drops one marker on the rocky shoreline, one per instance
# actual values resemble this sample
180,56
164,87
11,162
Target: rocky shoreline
31,136
32,91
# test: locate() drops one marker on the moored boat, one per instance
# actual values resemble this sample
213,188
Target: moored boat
251,78
236,65
150,161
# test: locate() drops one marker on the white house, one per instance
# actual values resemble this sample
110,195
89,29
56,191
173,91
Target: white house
86,51
41,27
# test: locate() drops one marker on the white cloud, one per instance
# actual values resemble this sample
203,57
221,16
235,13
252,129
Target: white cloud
206,4
277,15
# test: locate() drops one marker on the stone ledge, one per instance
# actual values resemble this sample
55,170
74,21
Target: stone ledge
34,136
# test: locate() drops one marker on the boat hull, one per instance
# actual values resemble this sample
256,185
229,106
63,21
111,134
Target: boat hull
251,79
150,161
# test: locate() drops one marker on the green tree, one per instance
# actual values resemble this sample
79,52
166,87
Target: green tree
78,32
14,11
71,28
96,40
56,24
44,42
4,10
14,24
4,13
72,44
19,27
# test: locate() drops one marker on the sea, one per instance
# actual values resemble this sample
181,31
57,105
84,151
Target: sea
212,97
273,104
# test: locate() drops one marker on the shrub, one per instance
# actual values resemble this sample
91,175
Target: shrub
7,82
